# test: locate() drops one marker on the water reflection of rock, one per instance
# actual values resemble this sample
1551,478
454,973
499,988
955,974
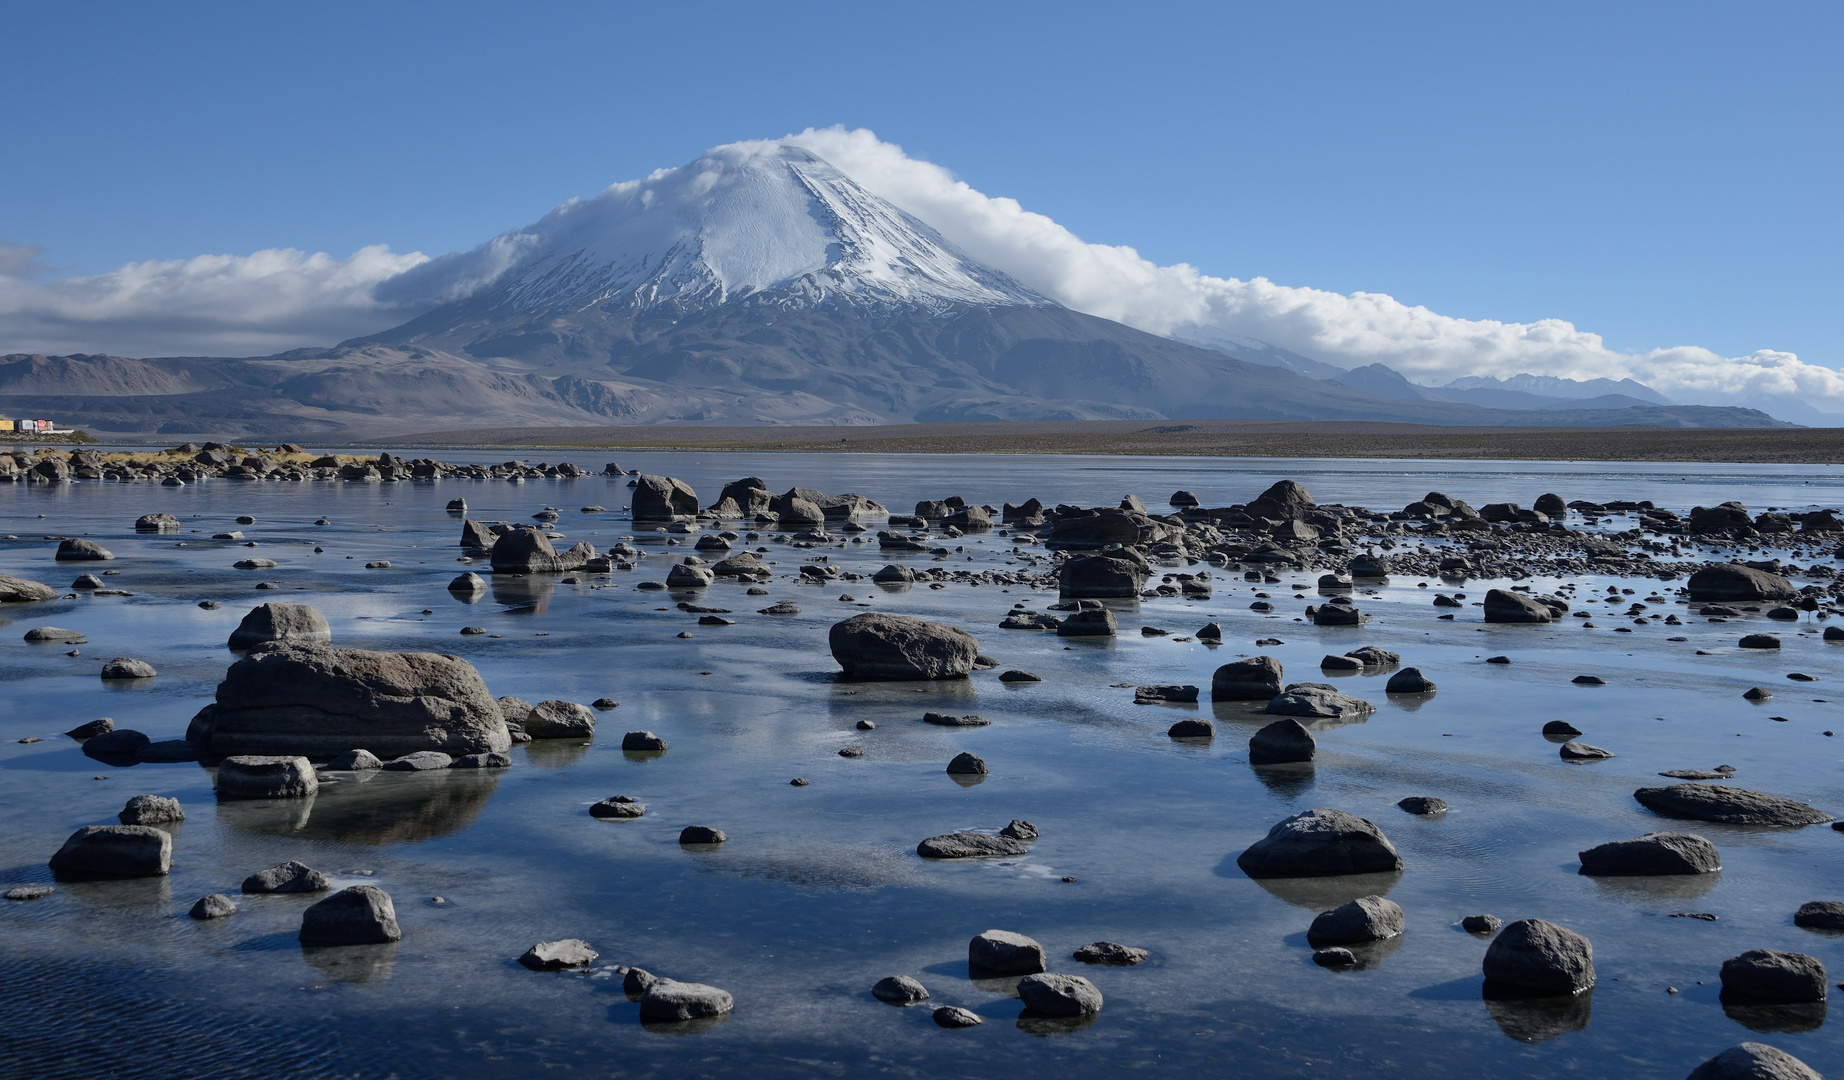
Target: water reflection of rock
967,779
1324,893
558,753
683,1027
1776,1018
352,963
1535,1019
522,594
1049,1027
1245,718
119,893
994,983
383,809
1289,780
1647,889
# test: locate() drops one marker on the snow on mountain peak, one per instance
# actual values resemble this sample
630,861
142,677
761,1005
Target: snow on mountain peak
748,222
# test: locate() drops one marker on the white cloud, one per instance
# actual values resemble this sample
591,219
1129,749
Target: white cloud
210,305
1347,330
279,299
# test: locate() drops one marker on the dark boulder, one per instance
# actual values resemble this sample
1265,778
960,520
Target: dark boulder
877,646
1728,805
1502,606
1754,1061
1533,954
1256,679
296,623
1114,574
114,851
257,776
1281,742
1368,918
360,915
1001,952
1088,622
298,699
663,498
1409,681
1059,995
1320,843
1653,853
1733,581
969,846
1769,975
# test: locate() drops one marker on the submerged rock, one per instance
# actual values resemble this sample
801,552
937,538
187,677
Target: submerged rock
899,990
297,623
618,807
877,646
123,667
670,1000
559,720
1002,952
1769,975
1281,742
355,761
254,776
301,699
953,1016
1318,701
1059,995
1754,1061
1111,953
1422,805
290,877
360,915
1653,853
1728,805
1368,918
1581,751
214,906
150,810
420,761
1256,679
559,955
1320,843
1481,924
965,845
114,851
1532,954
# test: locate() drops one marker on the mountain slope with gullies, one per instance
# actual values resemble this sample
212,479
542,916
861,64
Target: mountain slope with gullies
757,284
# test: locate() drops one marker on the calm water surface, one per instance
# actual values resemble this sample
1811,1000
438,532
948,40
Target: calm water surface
818,892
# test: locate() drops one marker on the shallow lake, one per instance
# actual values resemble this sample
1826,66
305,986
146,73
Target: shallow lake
818,891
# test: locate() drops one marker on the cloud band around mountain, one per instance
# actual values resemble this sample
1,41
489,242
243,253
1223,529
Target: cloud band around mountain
282,298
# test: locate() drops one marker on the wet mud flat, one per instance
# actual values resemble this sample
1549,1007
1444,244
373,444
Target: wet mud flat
817,891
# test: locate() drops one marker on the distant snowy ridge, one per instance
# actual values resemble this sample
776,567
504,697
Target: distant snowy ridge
746,223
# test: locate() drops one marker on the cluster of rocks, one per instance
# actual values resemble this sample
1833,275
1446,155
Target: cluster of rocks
189,464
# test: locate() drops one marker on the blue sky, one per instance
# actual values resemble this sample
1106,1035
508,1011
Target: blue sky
1661,174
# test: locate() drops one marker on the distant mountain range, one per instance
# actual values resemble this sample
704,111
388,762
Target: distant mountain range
760,285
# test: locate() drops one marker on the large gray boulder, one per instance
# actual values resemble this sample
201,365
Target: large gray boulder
1319,702
1533,954
1651,854
266,776
114,851
1728,805
1504,606
1002,952
1059,995
1089,622
1281,742
1368,918
281,622
1820,915
670,1000
18,591
559,955
477,538
156,523
663,498
75,550
560,720
682,576
295,699
150,810
1285,500
1754,1061
1120,574
1256,679
1320,843
1769,975
1733,581
877,646
360,915
529,551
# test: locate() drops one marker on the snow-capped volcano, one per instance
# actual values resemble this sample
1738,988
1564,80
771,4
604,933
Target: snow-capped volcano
760,223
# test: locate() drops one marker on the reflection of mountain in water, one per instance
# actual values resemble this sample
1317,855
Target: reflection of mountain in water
386,808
